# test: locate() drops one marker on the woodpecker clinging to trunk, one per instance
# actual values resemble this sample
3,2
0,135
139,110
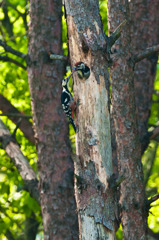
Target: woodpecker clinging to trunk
68,104
82,70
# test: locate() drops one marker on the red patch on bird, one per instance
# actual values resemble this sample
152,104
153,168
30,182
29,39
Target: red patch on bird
77,63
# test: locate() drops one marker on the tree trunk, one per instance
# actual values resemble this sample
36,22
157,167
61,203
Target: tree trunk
51,132
132,196
144,33
93,162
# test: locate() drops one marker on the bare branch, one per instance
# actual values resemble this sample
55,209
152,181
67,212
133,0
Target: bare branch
8,109
17,36
150,159
23,15
13,51
12,6
20,161
8,59
153,199
58,57
114,36
15,115
146,53
154,133
16,128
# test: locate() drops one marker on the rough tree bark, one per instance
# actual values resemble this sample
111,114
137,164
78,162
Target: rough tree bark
54,163
144,34
133,217
93,161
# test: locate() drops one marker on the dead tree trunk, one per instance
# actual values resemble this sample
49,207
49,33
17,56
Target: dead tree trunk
54,162
93,161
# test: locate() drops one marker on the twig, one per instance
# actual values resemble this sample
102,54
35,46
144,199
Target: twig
16,36
146,53
150,158
153,199
8,59
15,115
58,57
12,6
13,51
23,15
16,128
114,36
154,133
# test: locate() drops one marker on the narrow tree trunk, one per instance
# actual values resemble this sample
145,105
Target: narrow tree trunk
127,138
54,163
144,34
93,163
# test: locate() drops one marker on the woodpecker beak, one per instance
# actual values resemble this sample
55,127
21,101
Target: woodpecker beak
74,69
67,79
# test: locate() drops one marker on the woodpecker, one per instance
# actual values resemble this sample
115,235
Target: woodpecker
82,70
68,104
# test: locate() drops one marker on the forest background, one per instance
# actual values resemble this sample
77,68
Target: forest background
20,213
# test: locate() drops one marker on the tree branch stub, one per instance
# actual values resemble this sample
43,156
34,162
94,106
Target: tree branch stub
146,53
58,57
114,36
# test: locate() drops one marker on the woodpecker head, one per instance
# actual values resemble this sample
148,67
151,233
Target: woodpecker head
78,66
82,70
65,82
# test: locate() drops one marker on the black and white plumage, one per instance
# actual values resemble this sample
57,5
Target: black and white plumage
67,101
82,70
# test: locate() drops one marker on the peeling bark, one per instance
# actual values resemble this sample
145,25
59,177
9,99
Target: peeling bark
93,163
51,132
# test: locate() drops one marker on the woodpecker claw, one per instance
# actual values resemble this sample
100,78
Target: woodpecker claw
77,128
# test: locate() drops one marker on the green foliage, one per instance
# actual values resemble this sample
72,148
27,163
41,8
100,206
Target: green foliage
103,13
15,204
119,234
64,33
151,161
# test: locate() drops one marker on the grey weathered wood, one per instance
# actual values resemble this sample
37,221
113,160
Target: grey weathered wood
93,163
